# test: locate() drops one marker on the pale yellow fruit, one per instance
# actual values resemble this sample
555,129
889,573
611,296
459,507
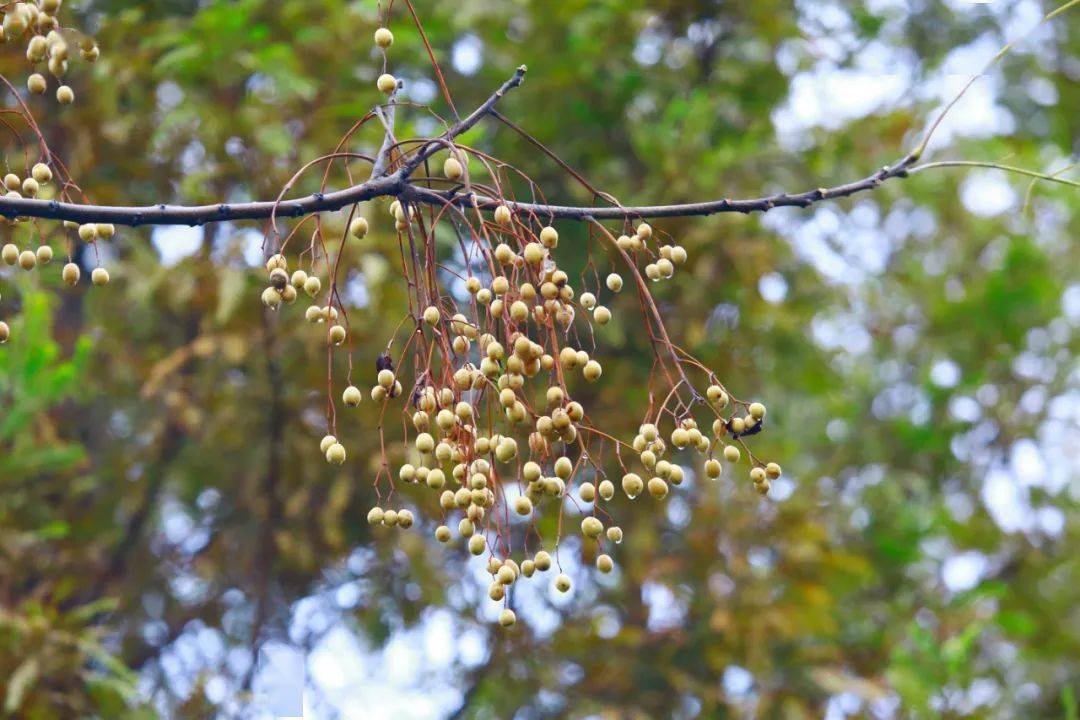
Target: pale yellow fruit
41,173
562,583
100,276
632,485
549,237
384,38
27,260
358,228
44,254
337,334
507,617
71,274
604,563
452,169
352,396
335,454
591,527
326,442
387,83
65,95
502,215
37,84
88,232
5,332
271,298
10,253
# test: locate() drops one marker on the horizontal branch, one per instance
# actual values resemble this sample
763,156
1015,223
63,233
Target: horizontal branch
202,214
395,185
711,207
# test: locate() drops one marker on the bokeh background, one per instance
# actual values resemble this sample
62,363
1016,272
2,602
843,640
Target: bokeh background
171,545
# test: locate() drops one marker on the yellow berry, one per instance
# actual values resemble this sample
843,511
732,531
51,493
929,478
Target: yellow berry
27,260
756,410
71,274
384,38
591,527
562,583
452,169
44,254
37,84
549,237
502,215
732,454
477,544
614,282
337,334
604,563
100,276
65,95
5,332
358,228
351,396
335,454
41,173
88,232
507,617
387,83
326,442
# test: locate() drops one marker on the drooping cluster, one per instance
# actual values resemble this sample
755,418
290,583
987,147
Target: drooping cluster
39,182
47,41
499,347
492,359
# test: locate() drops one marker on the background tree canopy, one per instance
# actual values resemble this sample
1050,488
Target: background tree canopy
163,517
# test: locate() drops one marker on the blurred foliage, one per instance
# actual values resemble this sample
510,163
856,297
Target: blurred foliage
157,478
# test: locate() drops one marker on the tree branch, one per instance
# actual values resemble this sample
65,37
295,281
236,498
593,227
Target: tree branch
397,184
711,207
